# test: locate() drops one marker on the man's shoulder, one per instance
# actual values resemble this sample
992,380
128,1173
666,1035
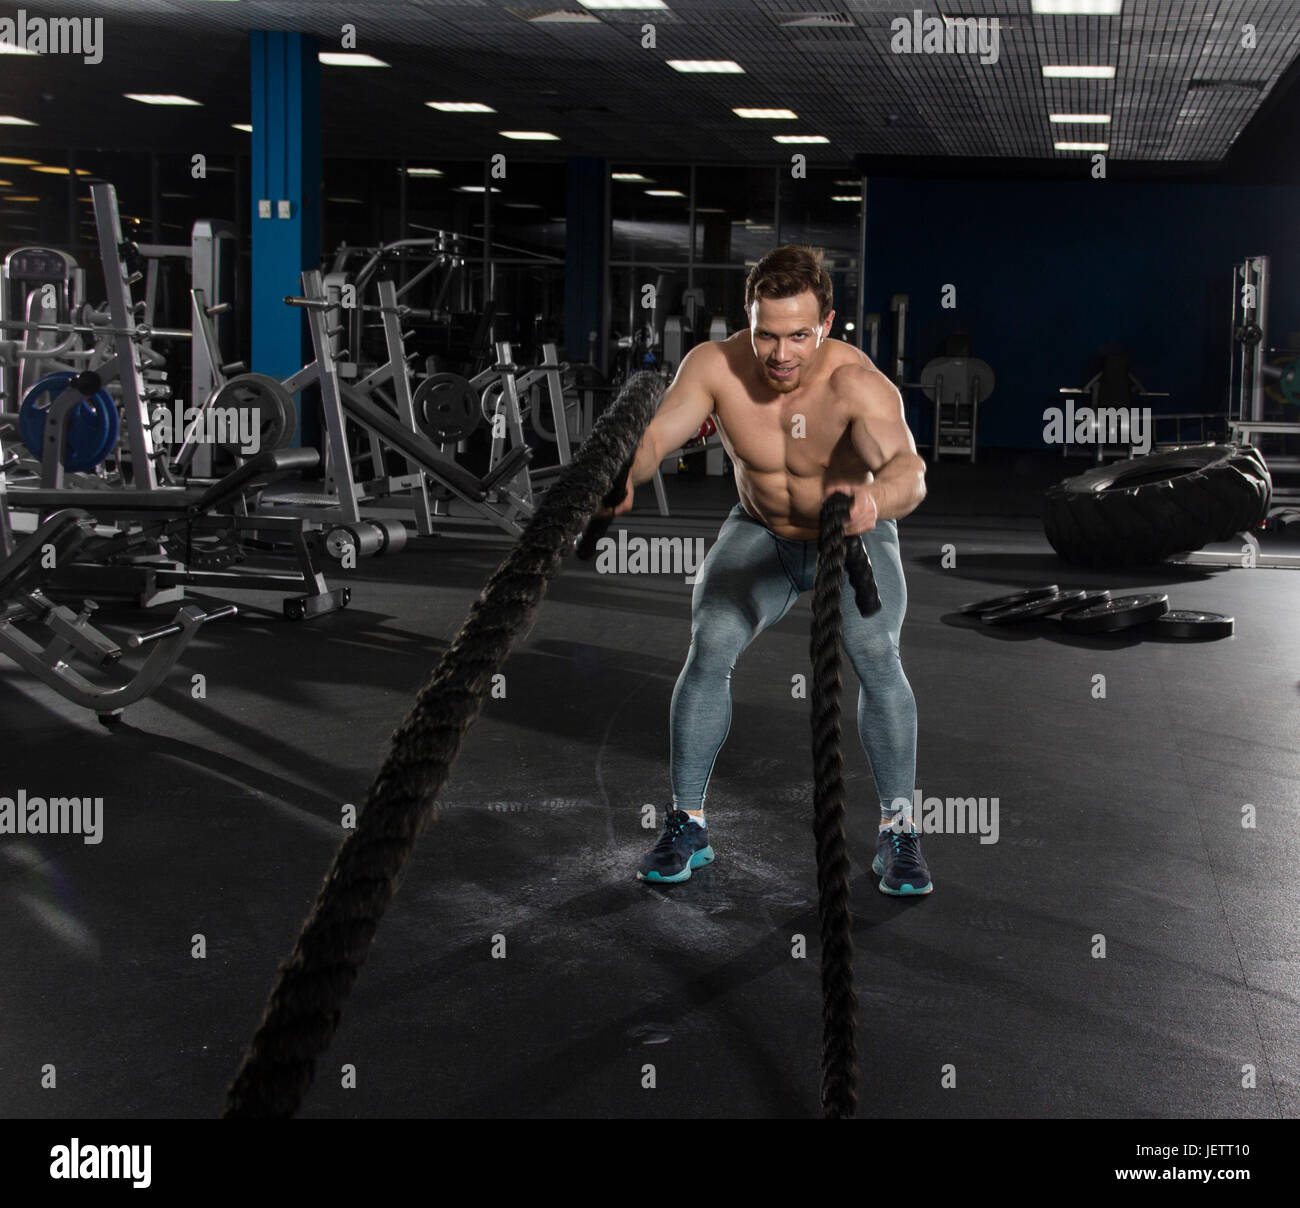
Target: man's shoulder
855,379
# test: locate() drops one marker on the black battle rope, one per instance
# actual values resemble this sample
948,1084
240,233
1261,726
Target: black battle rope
839,999
303,1010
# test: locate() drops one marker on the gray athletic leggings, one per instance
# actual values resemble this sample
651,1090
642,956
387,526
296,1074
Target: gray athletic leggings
749,581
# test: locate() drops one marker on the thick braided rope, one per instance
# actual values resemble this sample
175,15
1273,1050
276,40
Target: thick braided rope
839,1000
304,1008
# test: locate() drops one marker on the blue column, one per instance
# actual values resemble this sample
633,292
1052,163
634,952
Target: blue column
286,167
585,252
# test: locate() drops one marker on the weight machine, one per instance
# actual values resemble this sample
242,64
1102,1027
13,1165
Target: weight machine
23,605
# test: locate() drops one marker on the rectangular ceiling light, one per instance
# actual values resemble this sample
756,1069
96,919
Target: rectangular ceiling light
565,17
50,170
1082,119
765,113
348,58
476,189
1076,8
161,98
629,176
8,48
801,138
26,163
1078,73
6,120
459,107
1082,146
664,193
846,197
716,66
244,127
533,136
423,171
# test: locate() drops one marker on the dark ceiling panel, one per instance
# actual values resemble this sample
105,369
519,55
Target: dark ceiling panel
1184,90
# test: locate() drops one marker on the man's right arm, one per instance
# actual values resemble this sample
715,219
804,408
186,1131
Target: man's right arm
686,404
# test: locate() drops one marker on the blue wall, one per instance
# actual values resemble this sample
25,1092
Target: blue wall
1047,271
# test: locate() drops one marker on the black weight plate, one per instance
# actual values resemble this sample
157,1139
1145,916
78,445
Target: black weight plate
1184,623
446,408
272,405
1019,597
1061,602
1121,612
1089,598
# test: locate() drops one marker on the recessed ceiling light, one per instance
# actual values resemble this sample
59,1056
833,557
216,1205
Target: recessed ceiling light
476,189
50,170
634,176
6,184
8,199
801,138
8,120
1082,146
460,107
533,136
709,210
159,98
1062,72
26,163
719,66
8,48
565,17
243,126
1076,8
1085,119
846,182
422,171
664,193
846,197
345,58
765,113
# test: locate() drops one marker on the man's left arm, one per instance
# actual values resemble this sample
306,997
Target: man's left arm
882,439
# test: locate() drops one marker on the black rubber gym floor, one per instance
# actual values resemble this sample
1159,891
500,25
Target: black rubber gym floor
1120,823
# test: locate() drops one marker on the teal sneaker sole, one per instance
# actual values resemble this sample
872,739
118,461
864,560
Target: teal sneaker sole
698,860
904,890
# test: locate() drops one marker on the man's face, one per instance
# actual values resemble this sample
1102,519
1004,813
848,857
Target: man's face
786,336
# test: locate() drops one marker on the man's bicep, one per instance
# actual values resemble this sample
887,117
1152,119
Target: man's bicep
686,404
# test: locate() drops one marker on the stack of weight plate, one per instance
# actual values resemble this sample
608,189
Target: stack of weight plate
1100,612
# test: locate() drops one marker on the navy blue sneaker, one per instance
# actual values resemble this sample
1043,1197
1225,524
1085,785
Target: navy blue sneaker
683,846
899,864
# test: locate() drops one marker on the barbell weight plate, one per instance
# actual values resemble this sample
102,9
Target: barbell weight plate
275,415
1061,602
1117,613
90,431
1019,597
1184,623
1089,598
446,408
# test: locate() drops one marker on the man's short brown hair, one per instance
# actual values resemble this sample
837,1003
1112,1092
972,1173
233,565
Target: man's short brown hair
787,271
